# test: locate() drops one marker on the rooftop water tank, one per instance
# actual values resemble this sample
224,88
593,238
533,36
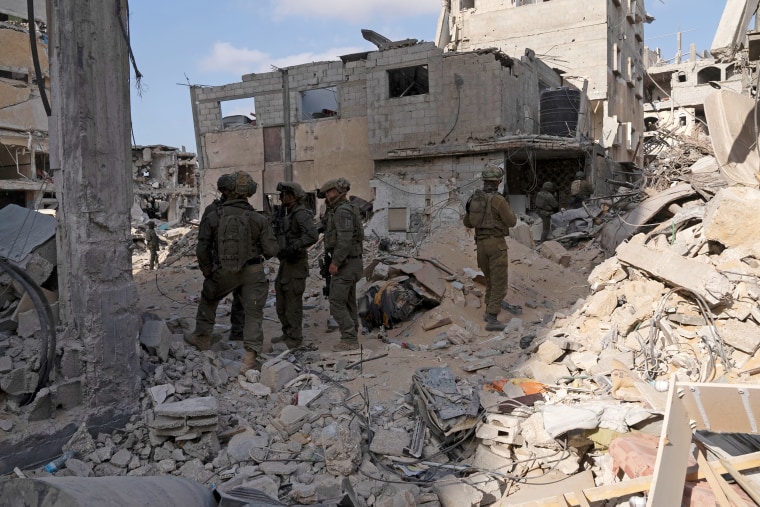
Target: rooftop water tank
559,111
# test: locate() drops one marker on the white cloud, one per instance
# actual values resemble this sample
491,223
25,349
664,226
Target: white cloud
357,10
225,57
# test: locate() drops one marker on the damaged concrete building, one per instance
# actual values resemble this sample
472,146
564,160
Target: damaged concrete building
165,183
24,150
411,124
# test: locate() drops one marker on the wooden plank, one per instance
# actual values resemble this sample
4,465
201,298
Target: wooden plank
742,481
714,480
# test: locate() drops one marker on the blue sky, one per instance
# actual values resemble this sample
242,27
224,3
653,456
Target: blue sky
215,43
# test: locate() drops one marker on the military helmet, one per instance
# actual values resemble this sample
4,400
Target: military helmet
492,172
340,184
225,183
580,175
548,186
244,184
151,224
291,187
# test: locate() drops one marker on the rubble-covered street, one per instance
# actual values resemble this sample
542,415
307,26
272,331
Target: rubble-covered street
435,410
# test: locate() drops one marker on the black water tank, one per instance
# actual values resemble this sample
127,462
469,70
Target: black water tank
559,111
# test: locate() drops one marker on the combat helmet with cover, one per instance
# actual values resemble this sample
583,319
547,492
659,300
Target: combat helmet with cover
291,187
492,172
342,185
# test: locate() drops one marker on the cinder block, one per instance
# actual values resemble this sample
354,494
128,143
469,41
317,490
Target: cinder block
156,337
275,374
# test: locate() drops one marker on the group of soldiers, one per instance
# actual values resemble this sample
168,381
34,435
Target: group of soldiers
234,240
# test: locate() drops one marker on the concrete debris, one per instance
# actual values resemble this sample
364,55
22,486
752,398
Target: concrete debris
446,413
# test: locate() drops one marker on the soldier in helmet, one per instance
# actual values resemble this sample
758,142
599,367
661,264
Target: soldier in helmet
233,241
488,212
344,236
580,190
151,238
295,231
546,206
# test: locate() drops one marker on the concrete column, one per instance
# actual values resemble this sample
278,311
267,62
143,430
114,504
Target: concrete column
90,152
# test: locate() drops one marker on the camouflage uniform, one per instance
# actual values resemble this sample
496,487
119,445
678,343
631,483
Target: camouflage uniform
151,238
344,235
546,206
250,282
491,246
296,232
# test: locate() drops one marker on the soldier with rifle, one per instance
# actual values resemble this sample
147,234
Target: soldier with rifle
344,236
295,231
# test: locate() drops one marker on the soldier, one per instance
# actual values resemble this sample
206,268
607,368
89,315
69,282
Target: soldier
489,213
295,231
546,206
344,234
151,238
233,240
580,189
237,313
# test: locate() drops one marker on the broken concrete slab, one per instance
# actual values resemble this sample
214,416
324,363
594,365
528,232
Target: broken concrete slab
731,218
619,229
676,271
155,336
555,252
203,406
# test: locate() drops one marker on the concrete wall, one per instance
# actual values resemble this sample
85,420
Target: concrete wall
20,104
593,40
471,96
230,151
313,150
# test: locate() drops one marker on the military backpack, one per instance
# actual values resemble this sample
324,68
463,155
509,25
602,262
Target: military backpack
234,241
479,209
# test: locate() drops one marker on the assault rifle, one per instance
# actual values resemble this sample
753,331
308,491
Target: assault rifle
280,226
324,270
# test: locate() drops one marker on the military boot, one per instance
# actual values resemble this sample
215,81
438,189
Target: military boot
201,341
492,323
249,361
513,309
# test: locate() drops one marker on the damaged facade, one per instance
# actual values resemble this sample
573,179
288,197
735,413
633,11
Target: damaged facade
412,124
165,183
24,149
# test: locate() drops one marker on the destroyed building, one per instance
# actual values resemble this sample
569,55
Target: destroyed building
24,146
411,124
567,406
165,183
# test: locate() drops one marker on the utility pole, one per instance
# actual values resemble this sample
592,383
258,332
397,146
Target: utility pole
91,156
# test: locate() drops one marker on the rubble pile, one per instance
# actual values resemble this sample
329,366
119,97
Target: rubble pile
433,410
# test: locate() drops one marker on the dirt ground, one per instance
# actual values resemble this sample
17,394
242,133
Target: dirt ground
541,287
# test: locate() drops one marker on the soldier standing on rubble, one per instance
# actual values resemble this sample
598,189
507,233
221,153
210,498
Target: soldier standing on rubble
344,236
580,189
233,240
546,206
151,238
296,232
489,213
